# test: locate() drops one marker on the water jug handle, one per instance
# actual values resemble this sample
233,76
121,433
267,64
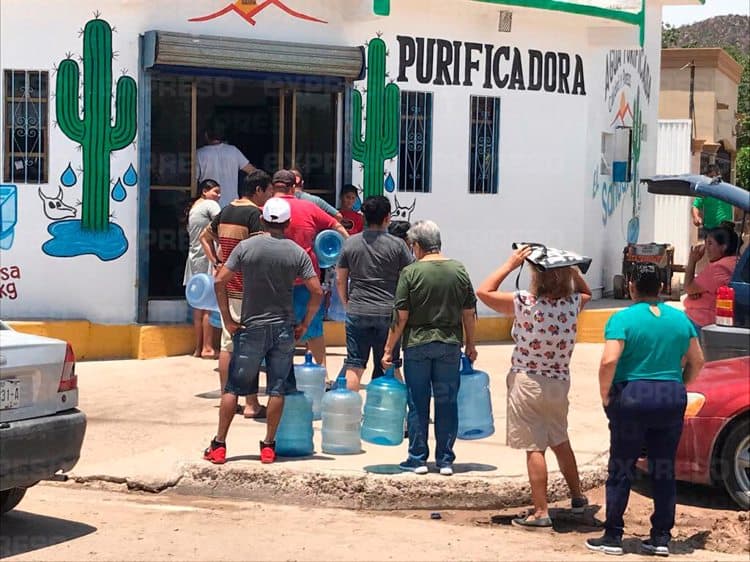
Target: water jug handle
466,367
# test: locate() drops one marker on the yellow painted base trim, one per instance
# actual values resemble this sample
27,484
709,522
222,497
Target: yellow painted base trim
112,341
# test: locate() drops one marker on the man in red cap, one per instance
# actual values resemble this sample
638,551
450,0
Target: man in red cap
307,221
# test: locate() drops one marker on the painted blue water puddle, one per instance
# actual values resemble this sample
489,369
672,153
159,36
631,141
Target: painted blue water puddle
8,215
69,239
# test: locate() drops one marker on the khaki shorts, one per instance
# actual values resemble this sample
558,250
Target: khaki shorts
537,413
235,309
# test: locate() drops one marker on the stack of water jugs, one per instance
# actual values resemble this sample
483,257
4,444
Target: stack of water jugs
384,411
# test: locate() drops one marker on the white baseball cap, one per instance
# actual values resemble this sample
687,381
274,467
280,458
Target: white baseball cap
276,210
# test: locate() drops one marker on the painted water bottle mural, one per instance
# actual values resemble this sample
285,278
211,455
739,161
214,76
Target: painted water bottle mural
84,108
8,215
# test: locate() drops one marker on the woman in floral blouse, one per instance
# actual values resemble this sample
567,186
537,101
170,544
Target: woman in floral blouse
546,318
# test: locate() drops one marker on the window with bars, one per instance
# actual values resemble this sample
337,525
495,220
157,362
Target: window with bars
484,142
414,157
25,128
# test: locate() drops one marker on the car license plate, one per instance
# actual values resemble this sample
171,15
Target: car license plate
10,394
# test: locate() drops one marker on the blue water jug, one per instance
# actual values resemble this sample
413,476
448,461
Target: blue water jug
385,409
474,404
199,292
336,310
294,437
328,244
342,417
311,379
215,319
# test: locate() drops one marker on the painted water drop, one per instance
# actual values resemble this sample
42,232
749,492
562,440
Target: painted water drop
118,192
131,177
357,205
390,185
68,177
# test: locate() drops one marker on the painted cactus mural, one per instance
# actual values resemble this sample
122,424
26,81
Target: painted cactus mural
91,125
380,140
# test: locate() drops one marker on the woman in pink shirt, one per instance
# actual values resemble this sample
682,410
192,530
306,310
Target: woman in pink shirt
721,249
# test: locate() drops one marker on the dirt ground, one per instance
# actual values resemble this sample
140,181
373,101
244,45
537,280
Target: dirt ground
706,519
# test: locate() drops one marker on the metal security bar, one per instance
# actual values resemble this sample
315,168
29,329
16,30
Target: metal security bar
415,153
484,153
26,129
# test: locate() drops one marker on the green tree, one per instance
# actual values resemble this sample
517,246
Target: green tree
742,165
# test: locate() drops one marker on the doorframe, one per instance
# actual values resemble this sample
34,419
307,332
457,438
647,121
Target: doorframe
144,187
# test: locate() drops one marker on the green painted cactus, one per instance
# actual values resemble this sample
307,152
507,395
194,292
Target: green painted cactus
92,127
380,141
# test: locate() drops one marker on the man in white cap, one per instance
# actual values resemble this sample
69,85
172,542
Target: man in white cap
269,264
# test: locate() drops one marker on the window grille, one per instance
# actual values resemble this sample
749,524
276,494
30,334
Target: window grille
25,128
415,162
484,144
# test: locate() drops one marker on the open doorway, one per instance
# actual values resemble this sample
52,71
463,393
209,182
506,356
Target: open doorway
289,124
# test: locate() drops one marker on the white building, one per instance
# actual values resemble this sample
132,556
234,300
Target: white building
500,122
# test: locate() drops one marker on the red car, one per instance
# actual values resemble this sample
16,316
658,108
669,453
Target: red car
715,443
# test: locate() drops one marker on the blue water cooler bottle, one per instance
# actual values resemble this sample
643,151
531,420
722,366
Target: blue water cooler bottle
294,437
199,292
311,379
342,416
474,404
327,246
385,410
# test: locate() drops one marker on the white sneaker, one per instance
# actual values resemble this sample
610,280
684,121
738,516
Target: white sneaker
446,471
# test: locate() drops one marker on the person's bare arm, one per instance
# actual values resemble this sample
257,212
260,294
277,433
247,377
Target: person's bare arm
610,357
488,292
691,287
696,215
693,361
222,298
342,284
394,335
313,305
581,287
248,168
341,230
469,317
208,242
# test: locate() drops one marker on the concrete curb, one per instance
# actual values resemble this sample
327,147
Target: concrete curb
373,491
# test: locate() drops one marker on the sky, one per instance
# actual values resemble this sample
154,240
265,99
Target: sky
682,15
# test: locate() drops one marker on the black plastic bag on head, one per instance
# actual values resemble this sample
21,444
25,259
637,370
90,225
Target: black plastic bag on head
544,258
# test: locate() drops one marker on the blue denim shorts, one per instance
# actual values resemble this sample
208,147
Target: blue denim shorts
363,334
275,344
301,298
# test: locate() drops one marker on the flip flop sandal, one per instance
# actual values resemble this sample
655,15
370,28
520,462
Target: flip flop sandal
259,415
540,524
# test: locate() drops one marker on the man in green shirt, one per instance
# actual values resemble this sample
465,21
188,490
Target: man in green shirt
715,212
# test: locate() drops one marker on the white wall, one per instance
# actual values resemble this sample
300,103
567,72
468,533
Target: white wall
548,147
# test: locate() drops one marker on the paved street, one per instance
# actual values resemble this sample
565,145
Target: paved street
61,522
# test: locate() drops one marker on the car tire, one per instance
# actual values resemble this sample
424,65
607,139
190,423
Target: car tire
735,463
10,498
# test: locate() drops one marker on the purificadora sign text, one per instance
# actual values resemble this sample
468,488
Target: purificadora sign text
458,63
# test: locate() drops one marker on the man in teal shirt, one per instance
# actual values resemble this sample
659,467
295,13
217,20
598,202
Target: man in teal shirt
715,212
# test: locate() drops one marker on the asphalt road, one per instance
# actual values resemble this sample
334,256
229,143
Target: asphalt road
67,522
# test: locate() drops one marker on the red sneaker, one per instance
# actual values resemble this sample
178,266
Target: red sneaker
216,454
267,452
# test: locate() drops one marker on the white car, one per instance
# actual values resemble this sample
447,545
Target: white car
41,431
